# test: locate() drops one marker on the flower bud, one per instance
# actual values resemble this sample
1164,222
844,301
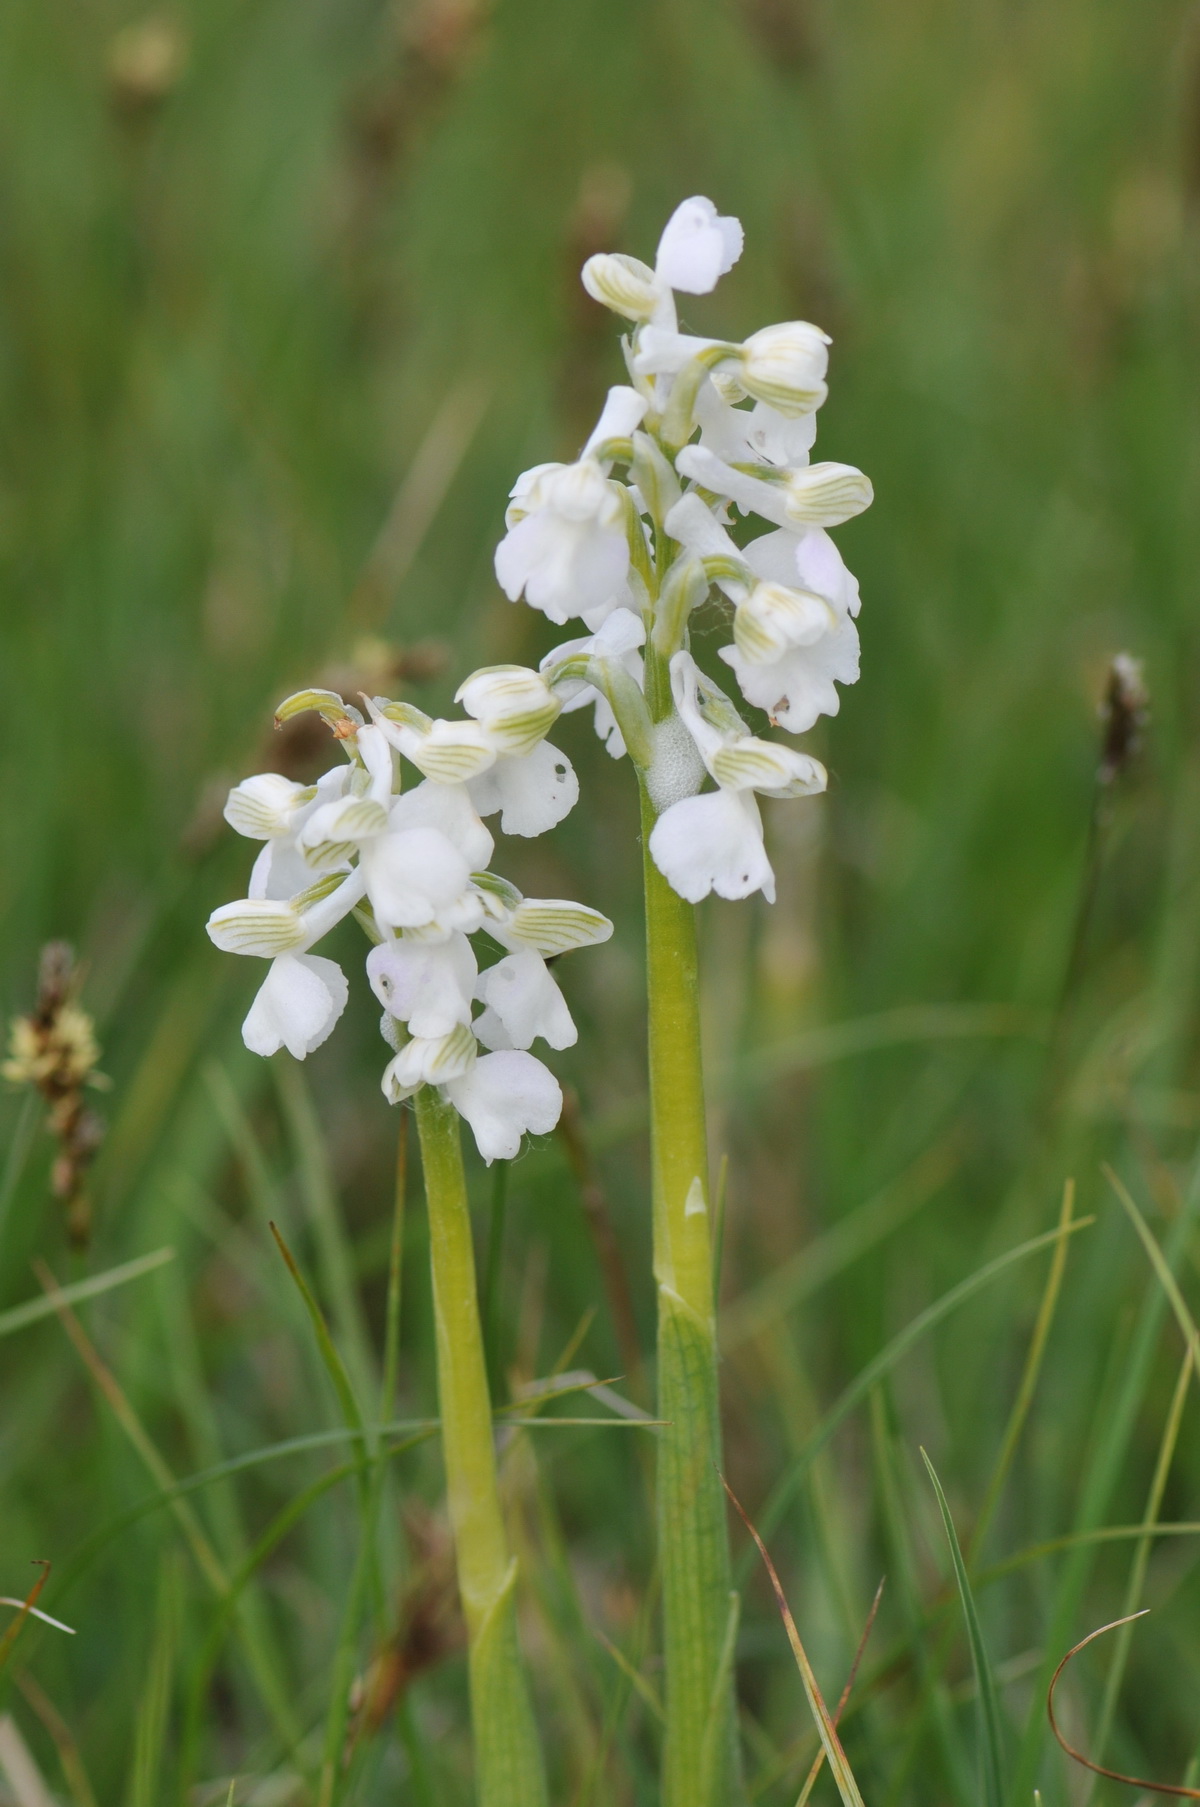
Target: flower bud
773,617
514,706
785,366
622,283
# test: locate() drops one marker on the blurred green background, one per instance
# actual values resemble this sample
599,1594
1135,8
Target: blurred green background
288,297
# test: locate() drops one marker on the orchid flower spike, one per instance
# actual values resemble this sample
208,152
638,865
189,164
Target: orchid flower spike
666,510
412,866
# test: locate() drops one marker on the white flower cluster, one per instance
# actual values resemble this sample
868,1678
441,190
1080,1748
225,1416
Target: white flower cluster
704,427
411,864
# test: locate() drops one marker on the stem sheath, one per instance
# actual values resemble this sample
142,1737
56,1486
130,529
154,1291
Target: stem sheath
508,1761
700,1765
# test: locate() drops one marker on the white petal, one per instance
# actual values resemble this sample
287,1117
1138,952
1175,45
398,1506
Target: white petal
413,877
297,1005
426,984
533,792
622,412
821,568
697,247
504,1095
490,1032
520,992
377,757
280,871
692,523
799,687
713,843
448,808
562,566
758,435
664,352
710,717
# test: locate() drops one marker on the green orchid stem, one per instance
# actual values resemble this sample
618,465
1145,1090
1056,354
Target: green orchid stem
508,1759
700,1766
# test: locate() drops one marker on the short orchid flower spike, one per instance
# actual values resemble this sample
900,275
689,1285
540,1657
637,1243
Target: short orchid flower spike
412,866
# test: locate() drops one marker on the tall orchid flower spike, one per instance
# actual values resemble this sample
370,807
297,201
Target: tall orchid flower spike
411,865
717,430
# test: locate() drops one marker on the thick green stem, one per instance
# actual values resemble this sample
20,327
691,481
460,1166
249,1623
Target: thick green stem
508,1760
700,1766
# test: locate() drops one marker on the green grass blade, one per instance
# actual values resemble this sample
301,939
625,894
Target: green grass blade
34,1310
991,1752
335,1367
788,1485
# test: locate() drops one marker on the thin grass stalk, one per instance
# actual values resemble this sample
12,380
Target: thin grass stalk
336,1753
693,1538
1141,1562
508,1761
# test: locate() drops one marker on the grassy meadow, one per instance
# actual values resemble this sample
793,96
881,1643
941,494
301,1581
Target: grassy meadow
288,297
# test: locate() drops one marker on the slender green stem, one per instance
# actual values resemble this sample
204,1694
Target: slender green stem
700,1762
508,1762
491,1276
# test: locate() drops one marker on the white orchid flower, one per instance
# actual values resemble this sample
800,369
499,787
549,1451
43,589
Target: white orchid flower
619,639
303,994
273,809
502,1096
447,752
793,636
567,546
513,705
698,246
783,366
429,985
780,668
714,841
819,495
757,435
531,783
416,852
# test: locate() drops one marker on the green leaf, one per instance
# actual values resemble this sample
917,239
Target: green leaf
987,1705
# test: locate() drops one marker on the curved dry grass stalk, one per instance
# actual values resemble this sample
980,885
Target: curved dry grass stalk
1114,1775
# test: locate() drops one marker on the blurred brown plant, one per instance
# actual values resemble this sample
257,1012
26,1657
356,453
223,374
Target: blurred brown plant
54,1048
429,1628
